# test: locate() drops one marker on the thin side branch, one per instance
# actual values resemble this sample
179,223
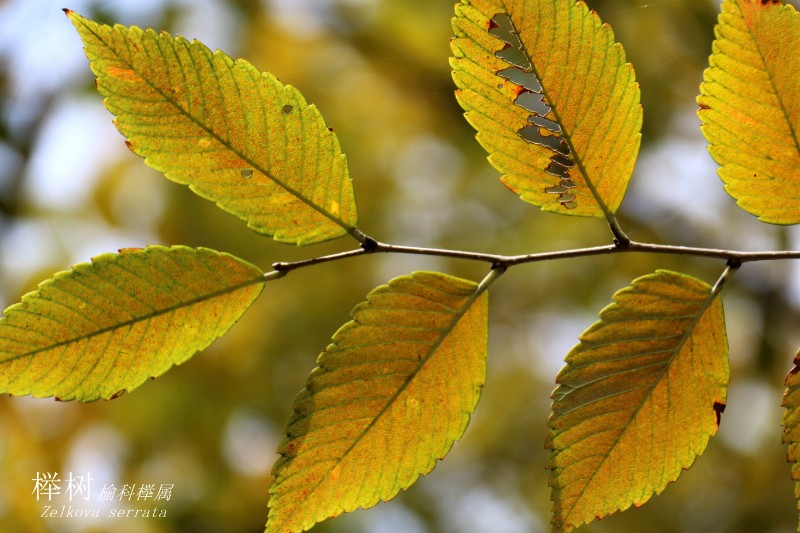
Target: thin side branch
730,270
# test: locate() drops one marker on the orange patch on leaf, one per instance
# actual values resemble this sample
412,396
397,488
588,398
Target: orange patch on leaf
124,74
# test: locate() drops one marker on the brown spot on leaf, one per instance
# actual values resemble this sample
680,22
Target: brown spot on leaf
117,394
290,449
719,408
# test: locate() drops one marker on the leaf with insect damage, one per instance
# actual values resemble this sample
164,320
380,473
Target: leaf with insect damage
638,398
104,327
552,98
750,107
391,394
234,135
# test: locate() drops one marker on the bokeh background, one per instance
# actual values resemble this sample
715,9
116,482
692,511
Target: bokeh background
378,71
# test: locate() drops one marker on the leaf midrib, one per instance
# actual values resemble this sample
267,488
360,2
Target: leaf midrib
132,321
578,157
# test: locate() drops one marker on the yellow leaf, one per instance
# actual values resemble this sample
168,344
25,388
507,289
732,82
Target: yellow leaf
750,107
234,135
638,399
791,423
552,98
389,397
103,328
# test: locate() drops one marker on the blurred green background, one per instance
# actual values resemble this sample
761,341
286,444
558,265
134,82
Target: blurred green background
378,71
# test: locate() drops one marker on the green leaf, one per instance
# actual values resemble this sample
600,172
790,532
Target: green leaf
234,135
750,107
104,327
389,397
791,423
638,399
552,98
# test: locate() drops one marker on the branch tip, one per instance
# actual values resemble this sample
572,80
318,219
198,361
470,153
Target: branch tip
275,274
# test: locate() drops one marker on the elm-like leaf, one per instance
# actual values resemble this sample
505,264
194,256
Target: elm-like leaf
638,398
103,328
234,135
791,424
552,98
750,107
389,397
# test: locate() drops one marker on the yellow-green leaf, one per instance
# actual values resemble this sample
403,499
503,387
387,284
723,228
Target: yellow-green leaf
750,107
791,424
552,98
234,135
389,397
638,398
104,327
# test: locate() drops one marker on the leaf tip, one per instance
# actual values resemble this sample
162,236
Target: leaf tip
795,369
71,15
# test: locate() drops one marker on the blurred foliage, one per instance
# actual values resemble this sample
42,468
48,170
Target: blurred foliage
378,72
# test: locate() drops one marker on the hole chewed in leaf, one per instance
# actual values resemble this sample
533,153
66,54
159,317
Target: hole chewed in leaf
533,103
515,56
287,109
247,173
542,130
